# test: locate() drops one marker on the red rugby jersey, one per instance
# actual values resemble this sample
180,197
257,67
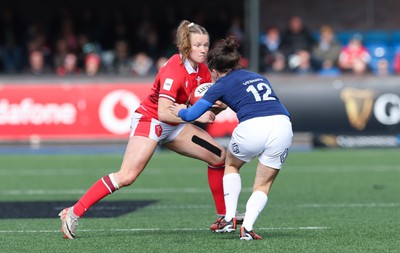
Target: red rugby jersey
174,81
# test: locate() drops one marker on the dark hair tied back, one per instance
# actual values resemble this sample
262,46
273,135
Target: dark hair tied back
225,56
230,44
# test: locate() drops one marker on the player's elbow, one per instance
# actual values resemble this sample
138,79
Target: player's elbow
186,116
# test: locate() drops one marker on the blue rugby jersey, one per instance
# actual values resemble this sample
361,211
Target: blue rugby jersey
247,93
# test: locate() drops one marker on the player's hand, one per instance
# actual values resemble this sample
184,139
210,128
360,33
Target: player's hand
207,117
175,108
218,107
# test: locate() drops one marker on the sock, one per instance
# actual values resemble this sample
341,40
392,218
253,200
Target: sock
215,174
232,188
254,206
104,186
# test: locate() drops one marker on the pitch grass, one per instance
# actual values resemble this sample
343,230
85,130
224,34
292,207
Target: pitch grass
322,201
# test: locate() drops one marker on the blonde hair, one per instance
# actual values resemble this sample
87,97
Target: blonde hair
183,32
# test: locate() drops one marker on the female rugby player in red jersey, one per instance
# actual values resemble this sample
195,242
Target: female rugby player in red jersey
153,124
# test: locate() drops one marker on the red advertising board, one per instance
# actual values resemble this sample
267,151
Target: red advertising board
77,111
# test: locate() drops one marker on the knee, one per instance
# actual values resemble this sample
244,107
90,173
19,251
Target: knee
219,159
124,179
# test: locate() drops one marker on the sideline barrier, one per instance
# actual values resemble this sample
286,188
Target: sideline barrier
336,112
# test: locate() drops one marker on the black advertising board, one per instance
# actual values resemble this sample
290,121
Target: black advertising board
344,112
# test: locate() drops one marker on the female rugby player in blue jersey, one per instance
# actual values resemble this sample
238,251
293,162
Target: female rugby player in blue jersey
264,130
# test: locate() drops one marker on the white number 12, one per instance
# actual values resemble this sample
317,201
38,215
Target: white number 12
260,87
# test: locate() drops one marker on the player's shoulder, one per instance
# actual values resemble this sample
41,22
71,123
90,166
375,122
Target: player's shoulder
176,58
173,62
173,66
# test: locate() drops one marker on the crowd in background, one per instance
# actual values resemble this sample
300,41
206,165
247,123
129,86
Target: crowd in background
124,47
298,50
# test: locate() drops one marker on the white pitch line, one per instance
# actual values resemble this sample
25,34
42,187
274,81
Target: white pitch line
31,192
338,205
151,229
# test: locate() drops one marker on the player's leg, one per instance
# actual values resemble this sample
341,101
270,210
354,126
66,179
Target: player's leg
271,159
138,152
232,185
140,148
265,176
192,141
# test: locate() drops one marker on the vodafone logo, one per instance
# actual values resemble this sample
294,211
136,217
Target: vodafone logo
30,112
116,109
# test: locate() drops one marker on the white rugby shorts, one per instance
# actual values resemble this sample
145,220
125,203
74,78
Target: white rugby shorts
268,137
153,128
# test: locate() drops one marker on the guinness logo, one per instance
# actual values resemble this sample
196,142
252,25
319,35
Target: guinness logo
358,105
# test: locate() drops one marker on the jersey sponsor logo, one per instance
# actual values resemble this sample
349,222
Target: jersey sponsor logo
235,148
358,104
284,155
168,84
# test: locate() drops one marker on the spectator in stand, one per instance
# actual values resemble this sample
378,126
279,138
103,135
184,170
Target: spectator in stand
152,44
60,52
122,61
296,37
383,67
269,52
70,66
37,64
85,47
326,53
92,64
37,41
396,63
354,57
11,53
300,62
236,31
142,64
279,64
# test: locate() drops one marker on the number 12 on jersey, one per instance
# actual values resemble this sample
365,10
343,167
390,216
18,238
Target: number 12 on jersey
260,89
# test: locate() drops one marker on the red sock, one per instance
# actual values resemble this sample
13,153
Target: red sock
215,175
98,191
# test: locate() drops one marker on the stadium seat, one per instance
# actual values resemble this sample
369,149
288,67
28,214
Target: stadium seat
377,36
395,37
396,47
380,51
344,36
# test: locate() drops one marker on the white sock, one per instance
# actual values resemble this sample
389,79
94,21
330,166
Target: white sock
71,213
232,187
254,206
113,181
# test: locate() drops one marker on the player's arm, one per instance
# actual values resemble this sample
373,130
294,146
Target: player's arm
164,113
194,112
